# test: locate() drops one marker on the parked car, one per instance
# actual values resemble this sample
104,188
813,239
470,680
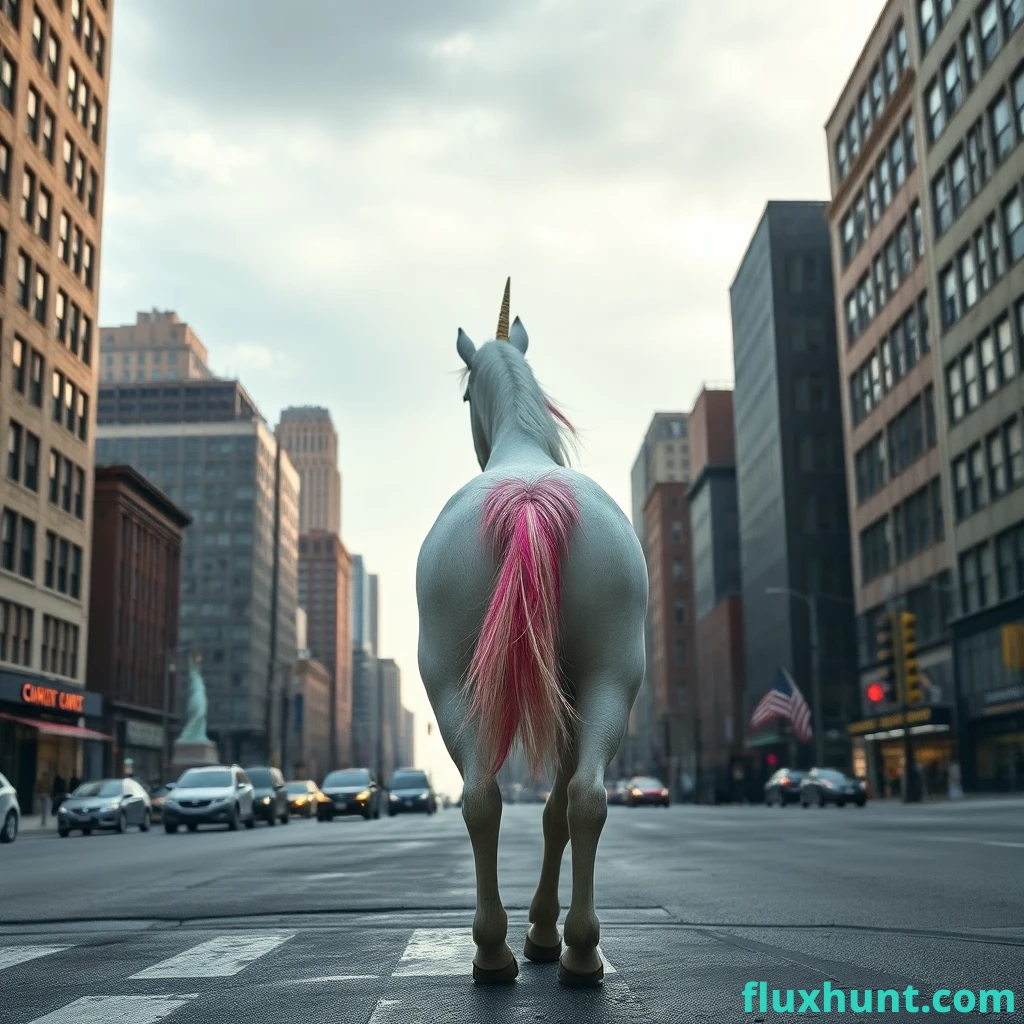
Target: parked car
10,812
829,786
157,796
106,805
617,792
410,791
220,795
270,796
303,797
643,789
783,787
349,791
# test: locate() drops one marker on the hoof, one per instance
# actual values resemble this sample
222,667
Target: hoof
497,975
542,954
574,980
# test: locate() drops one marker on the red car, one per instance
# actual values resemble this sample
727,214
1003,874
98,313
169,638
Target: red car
644,790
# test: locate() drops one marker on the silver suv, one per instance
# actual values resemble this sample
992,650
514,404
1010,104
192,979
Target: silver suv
219,794
10,812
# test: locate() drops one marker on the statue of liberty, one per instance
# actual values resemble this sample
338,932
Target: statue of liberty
194,730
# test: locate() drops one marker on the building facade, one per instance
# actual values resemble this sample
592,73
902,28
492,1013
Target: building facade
325,591
407,748
670,611
204,444
791,483
885,310
717,609
390,718
54,75
309,438
970,64
158,346
309,725
663,458
135,596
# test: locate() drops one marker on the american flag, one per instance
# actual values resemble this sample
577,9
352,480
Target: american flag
784,700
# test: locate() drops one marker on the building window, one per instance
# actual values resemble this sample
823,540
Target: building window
936,110
954,389
1014,453
8,80
884,181
989,370
988,22
42,287
1004,343
1013,15
15,632
970,57
28,196
961,189
23,280
909,137
965,259
27,548
15,434
1013,222
1002,126
941,202
996,465
979,477
950,296
972,390
52,58
927,23
32,114
954,87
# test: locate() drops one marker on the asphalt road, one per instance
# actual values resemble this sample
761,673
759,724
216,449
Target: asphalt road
358,922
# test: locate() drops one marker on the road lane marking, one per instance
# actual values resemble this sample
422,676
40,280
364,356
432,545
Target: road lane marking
996,842
446,953
337,874
218,958
11,956
117,1010
977,842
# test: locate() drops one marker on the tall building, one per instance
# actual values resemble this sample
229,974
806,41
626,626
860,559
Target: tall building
158,346
204,443
663,458
309,722
884,306
717,604
390,717
970,83
670,612
133,631
54,76
791,484
407,748
364,607
309,438
366,704
325,590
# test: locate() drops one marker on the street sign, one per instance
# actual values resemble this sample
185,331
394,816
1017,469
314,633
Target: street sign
1013,645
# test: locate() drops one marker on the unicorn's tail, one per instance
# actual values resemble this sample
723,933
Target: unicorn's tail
514,675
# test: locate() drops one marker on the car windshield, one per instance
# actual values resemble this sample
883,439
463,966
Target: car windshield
205,778
260,777
831,774
646,783
296,788
349,777
105,787
409,780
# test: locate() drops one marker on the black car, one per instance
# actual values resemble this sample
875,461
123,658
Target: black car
783,787
109,804
642,789
829,786
270,795
411,792
349,791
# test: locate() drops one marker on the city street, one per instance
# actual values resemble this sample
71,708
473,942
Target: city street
361,921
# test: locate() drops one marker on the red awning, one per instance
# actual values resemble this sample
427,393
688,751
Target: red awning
58,729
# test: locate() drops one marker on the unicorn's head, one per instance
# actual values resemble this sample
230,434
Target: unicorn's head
503,393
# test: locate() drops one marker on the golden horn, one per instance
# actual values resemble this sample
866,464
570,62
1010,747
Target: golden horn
502,333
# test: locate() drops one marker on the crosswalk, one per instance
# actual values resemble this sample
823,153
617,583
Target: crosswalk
168,975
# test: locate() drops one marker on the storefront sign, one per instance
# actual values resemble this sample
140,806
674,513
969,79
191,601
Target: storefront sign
1013,646
43,695
143,734
881,723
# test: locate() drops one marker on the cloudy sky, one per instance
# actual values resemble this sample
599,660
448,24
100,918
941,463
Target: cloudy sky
326,190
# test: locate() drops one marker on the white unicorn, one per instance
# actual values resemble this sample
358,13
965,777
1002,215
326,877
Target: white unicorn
532,591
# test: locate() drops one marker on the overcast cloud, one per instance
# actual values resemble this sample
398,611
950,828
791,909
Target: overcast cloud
327,190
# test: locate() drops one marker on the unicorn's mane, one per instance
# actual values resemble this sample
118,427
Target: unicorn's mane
504,381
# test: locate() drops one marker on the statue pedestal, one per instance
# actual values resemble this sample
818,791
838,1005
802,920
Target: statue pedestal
193,755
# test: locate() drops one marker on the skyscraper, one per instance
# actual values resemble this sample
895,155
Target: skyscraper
158,346
309,438
366,698
791,483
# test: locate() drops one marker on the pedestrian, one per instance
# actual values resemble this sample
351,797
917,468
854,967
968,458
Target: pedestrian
75,783
59,791
43,795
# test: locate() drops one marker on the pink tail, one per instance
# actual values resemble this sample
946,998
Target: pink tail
515,678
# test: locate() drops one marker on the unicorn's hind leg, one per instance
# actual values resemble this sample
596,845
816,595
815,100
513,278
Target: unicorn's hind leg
543,942
603,703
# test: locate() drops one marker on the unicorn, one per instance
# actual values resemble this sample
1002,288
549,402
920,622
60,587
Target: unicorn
532,591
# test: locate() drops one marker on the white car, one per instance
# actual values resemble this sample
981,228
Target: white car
10,812
209,796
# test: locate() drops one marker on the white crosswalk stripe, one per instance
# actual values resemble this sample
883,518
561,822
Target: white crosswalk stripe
117,1010
10,956
218,958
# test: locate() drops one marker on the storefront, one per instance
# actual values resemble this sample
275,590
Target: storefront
137,748
995,730
45,735
878,749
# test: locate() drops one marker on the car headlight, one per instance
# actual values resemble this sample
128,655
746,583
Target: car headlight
423,796
637,792
300,800
62,810
112,806
364,795
265,800
393,797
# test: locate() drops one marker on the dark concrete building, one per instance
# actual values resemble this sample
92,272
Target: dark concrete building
325,592
790,476
309,721
135,596
717,608
204,443
670,612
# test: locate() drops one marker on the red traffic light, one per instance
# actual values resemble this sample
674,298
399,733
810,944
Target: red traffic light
772,760
876,693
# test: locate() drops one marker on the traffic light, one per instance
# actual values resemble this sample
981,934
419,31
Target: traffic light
876,693
887,663
912,681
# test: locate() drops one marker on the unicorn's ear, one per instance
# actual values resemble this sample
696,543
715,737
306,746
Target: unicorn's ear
517,336
466,348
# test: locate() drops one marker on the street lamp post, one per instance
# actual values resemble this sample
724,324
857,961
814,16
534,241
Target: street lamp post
811,600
